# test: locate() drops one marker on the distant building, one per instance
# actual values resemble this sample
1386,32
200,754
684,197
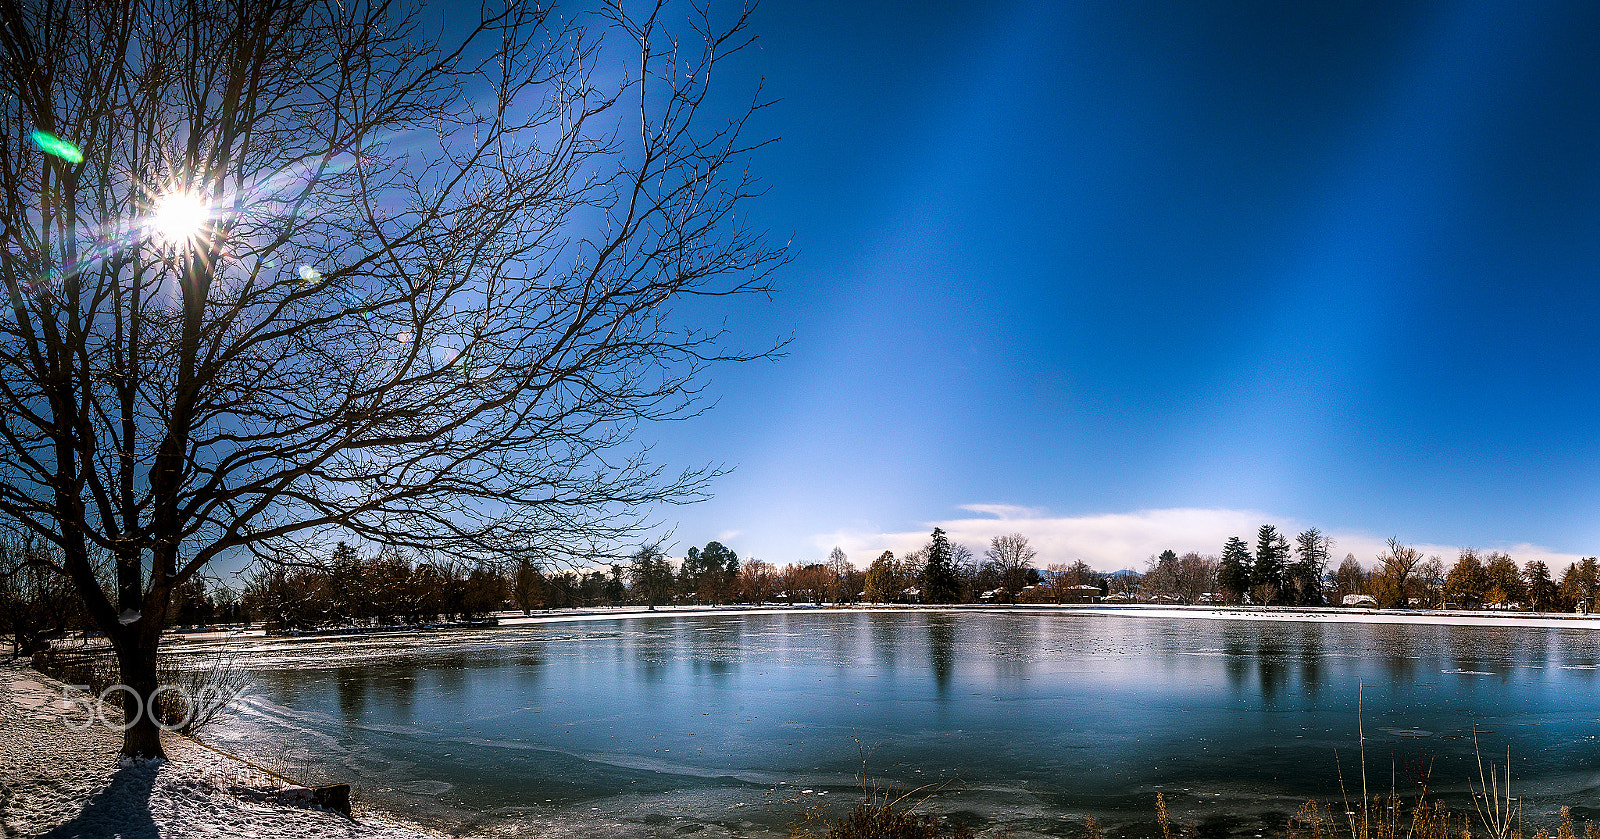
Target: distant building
1081,594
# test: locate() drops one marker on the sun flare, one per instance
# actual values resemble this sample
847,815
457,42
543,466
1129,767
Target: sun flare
179,217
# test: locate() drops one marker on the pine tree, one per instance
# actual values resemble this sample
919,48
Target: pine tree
940,582
1541,588
1272,562
1306,575
1233,573
651,575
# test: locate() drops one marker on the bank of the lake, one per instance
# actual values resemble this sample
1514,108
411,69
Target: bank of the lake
61,780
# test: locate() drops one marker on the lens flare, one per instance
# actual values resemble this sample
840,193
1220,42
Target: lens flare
51,144
179,217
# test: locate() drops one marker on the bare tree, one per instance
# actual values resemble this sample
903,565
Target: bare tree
1011,556
1184,578
1350,579
839,571
1392,579
285,271
1064,578
1430,576
36,604
755,581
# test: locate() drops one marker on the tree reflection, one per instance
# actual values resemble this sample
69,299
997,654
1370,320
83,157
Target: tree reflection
1311,655
351,685
942,648
885,631
1272,660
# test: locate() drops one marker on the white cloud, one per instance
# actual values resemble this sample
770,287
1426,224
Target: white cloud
1003,511
1112,541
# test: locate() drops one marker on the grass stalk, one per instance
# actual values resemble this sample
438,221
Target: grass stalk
1497,810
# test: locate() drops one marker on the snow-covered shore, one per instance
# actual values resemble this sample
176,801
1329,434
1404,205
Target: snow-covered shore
1439,617
60,783
1540,620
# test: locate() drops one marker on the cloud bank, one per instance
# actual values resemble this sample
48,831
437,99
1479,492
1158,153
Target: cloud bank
1112,541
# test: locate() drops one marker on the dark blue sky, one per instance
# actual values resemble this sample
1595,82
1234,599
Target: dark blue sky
1084,265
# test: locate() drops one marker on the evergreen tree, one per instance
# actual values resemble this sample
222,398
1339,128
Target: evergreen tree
1541,588
1306,575
651,575
1272,563
616,588
345,585
708,575
689,572
713,580
1234,570
527,585
1580,582
940,581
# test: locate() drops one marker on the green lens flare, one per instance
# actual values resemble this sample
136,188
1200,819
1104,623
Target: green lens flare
51,144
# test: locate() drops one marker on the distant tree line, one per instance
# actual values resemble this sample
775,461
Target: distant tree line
388,588
1476,581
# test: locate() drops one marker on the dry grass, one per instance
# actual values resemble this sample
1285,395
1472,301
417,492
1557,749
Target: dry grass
197,690
882,815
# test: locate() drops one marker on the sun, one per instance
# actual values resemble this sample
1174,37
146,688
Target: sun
179,217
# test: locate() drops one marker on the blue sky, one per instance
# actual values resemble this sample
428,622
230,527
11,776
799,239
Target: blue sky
1128,276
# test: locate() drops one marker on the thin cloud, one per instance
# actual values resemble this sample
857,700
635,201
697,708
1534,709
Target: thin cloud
1004,512
1112,541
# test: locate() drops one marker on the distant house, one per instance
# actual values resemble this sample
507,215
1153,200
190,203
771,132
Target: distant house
1081,594
1360,600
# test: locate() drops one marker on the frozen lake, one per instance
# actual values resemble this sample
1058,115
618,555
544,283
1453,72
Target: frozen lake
734,723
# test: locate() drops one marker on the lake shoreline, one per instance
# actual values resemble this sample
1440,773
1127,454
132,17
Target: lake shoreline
61,775
1437,617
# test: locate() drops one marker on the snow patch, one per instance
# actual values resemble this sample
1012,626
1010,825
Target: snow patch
62,782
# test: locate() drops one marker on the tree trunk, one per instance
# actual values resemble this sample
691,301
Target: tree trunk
136,655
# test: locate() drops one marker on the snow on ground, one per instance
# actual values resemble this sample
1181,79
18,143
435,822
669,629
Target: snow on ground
1541,620
59,783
